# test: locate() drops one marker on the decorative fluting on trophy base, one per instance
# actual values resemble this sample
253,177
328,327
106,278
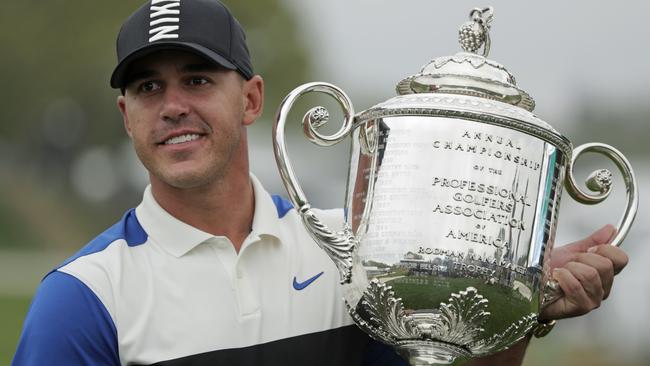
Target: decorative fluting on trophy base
451,333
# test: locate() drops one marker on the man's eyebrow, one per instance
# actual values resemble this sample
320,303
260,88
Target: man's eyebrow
139,75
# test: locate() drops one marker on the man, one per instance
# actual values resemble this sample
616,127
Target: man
201,272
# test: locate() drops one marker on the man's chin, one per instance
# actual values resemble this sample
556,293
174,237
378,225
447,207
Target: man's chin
186,179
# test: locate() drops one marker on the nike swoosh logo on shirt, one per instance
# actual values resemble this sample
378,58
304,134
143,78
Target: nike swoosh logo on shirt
301,285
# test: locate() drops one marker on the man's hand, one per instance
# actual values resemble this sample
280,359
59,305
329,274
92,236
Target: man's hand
585,271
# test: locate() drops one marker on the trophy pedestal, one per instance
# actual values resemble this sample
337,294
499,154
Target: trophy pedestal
431,353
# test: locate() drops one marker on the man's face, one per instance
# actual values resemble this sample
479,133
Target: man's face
187,117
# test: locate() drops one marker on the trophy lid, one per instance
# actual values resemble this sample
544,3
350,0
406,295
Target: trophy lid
468,85
469,73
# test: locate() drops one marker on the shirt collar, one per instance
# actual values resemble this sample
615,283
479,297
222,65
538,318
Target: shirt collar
178,238
265,219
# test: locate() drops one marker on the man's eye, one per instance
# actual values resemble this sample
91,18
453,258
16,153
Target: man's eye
149,86
198,81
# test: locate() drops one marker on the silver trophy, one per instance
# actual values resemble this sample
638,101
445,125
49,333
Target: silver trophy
451,207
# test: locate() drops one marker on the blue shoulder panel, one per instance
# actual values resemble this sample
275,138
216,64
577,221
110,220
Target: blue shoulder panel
67,325
283,206
128,228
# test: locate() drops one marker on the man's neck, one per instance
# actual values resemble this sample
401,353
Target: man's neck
225,208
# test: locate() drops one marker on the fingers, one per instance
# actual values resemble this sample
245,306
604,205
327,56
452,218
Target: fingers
616,255
582,291
570,303
567,253
601,236
604,235
604,267
586,279
589,281
585,271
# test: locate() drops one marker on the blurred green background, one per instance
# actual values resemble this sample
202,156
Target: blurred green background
67,171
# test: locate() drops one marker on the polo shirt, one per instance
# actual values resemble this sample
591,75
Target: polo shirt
155,290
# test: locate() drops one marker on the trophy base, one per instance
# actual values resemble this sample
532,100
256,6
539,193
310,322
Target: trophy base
431,353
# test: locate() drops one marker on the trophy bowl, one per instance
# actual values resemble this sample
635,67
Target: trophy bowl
451,207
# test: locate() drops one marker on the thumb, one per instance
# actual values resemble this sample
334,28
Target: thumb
602,236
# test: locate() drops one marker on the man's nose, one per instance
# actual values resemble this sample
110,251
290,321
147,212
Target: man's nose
175,105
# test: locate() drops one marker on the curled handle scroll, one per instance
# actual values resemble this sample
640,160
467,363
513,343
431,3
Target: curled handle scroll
337,245
599,182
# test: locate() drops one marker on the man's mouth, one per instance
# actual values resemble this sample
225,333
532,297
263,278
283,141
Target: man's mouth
181,139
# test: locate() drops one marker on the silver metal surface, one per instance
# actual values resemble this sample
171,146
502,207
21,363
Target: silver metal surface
476,33
600,182
468,73
459,206
451,206
338,245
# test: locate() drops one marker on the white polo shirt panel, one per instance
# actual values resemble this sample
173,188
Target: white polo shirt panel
185,292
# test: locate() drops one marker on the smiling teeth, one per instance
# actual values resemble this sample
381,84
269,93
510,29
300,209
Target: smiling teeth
182,138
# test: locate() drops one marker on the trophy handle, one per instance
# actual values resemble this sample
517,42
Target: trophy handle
337,245
599,181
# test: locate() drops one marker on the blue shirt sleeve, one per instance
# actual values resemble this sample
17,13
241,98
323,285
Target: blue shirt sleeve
379,354
67,325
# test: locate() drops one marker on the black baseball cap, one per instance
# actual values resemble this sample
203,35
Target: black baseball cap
204,27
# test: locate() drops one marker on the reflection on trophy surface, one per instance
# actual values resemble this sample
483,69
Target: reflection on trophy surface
452,203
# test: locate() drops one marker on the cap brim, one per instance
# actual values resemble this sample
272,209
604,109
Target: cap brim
120,72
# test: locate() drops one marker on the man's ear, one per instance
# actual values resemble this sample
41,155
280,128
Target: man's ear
121,105
253,99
